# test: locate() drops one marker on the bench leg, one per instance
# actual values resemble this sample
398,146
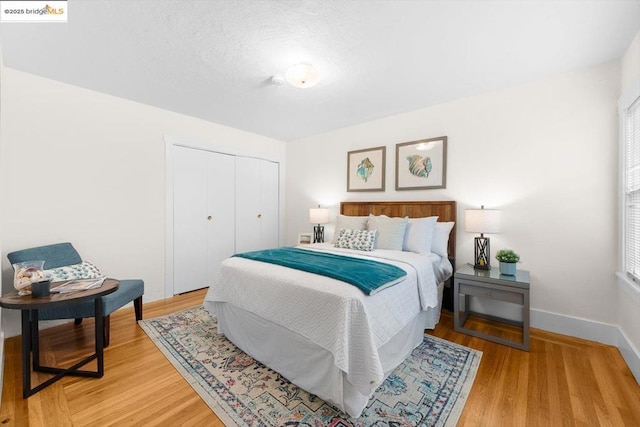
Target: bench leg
77,321
106,330
137,305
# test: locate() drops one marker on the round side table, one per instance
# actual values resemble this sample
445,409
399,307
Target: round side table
29,307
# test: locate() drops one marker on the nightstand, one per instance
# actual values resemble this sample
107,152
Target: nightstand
492,285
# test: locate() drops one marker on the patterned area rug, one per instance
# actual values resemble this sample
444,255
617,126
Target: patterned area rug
428,389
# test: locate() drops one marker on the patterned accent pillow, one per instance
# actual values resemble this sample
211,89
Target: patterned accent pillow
84,270
361,240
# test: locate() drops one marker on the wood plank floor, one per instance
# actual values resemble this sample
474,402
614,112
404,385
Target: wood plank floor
561,381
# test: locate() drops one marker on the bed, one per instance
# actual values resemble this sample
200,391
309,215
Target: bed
324,335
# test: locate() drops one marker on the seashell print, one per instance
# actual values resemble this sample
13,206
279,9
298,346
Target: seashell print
365,169
419,166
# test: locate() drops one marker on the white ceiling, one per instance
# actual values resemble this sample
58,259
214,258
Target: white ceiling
214,59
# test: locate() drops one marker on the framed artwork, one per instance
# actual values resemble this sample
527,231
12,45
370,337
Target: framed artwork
366,169
421,165
305,238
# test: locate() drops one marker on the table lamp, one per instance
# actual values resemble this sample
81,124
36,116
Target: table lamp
318,216
482,221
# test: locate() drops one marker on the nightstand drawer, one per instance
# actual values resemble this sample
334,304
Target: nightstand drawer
478,291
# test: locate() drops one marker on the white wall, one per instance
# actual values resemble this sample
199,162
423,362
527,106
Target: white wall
631,64
89,168
629,292
545,153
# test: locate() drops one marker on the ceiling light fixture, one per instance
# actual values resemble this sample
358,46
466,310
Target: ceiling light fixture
302,75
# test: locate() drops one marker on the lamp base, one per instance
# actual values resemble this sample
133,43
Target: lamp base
481,253
318,234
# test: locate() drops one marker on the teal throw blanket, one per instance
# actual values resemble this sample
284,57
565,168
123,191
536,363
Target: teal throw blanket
366,275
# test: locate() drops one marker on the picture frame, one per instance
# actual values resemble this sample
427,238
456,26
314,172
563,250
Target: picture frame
422,164
366,169
305,238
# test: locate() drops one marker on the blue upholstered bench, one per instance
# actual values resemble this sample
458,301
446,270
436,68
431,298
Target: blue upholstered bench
64,254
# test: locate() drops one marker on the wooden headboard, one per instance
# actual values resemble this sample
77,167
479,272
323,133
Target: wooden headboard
444,210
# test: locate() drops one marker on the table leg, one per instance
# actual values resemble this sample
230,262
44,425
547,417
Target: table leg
35,340
99,336
456,303
26,354
526,321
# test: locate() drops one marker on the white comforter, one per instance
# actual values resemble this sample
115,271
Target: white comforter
332,314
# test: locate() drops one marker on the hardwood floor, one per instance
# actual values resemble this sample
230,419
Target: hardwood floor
561,381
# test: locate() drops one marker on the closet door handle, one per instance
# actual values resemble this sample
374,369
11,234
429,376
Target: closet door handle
259,216
209,217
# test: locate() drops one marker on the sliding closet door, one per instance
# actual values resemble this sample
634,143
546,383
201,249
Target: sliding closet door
204,216
221,218
190,239
269,204
248,215
257,192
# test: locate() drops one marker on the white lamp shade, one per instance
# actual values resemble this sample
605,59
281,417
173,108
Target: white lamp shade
302,75
482,220
318,215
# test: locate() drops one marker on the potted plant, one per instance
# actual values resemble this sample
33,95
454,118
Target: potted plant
508,260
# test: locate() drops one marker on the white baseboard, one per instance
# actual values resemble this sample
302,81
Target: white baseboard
574,326
630,354
589,330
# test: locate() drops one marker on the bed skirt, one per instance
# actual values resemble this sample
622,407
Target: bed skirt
308,365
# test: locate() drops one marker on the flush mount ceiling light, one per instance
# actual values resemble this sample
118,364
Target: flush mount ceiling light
302,75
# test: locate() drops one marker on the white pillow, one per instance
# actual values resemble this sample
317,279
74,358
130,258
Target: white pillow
390,231
349,223
362,240
441,238
419,235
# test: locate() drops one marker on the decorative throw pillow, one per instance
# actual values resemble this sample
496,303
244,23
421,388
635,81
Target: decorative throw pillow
361,240
349,223
84,270
390,231
441,238
419,235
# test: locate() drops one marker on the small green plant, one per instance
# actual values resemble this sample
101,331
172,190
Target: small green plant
507,255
